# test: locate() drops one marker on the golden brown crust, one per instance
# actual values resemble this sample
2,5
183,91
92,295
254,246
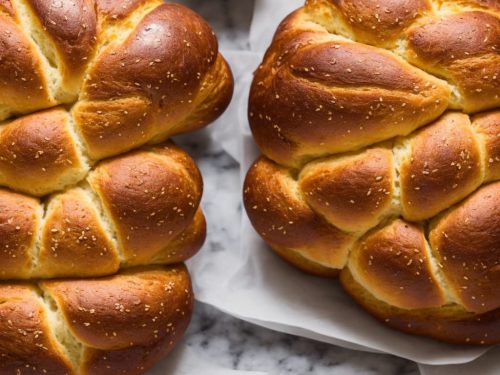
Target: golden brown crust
215,94
283,219
352,193
315,99
137,308
421,176
151,198
466,242
19,220
126,322
316,93
141,208
72,27
295,258
449,323
370,21
129,73
470,61
23,83
139,67
38,153
130,361
109,127
442,167
136,89
74,241
331,64
393,263
436,41
487,126
27,342
186,244
148,71
320,96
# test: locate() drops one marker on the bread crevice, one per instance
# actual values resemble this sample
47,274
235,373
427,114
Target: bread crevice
436,268
332,22
481,142
35,253
68,343
83,155
114,33
45,206
34,30
104,218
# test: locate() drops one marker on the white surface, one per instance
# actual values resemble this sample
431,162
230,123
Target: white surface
267,16
251,283
185,361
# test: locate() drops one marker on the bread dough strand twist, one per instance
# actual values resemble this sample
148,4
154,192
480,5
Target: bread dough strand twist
90,91
369,169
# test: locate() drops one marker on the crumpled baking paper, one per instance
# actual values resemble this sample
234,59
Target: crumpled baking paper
248,281
488,364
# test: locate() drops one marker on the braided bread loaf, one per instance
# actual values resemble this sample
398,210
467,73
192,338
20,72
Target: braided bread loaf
137,209
81,81
365,171
121,324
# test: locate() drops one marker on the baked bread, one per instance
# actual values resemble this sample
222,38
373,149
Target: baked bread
83,81
137,209
120,324
380,132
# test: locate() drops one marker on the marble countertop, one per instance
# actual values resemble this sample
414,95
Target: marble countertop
217,337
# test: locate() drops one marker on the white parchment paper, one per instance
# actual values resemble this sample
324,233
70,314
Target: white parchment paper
248,281
488,364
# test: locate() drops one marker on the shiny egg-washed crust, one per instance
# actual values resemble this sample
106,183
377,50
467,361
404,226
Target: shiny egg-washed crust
129,73
376,163
341,75
137,209
339,213
82,81
121,324
449,323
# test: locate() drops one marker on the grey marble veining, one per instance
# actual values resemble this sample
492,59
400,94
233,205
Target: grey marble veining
240,345
217,337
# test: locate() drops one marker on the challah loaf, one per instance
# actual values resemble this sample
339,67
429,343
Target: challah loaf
120,324
365,173
82,81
